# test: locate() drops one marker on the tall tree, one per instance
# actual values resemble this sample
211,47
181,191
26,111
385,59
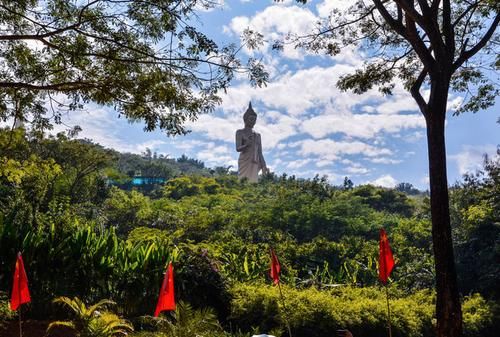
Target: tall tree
147,59
435,45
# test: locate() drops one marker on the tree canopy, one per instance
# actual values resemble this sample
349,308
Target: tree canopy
147,59
414,42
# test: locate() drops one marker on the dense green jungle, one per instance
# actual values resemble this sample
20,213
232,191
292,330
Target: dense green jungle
88,234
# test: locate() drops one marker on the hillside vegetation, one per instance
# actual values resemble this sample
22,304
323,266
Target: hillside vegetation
86,232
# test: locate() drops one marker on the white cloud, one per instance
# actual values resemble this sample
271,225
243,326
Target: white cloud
298,163
100,125
213,5
425,181
325,8
187,145
357,170
384,181
217,155
277,162
323,163
414,136
454,103
299,91
150,144
217,128
360,125
328,149
347,162
471,157
273,130
274,22
314,88
384,160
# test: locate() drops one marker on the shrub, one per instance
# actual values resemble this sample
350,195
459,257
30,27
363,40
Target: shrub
314,313
480,317
5,312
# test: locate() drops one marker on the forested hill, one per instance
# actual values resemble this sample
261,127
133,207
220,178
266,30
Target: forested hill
82,236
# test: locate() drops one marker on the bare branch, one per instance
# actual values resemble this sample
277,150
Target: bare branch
465,55
341,25
472,7
409,9
424,7
418,44
400,13
415,92
448,32
394,24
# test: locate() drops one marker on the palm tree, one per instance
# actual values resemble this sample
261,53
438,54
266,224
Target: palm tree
90,321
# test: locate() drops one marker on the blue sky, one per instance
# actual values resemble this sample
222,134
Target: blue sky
307,125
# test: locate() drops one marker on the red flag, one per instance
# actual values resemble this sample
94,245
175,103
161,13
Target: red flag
20,291
275,268
385,261
166,299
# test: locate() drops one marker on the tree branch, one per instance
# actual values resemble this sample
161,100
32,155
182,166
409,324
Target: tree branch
429,24
419,45
409,33
448,32
464,13
409,9
65,86
400,13
465,55
415,92
14,37
435,5
341,25
424,7
394,24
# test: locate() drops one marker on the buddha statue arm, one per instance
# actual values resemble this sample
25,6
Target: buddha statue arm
241,142
262,161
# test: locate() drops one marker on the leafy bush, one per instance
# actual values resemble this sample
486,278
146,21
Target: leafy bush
314,313
92,264
480,317
5,312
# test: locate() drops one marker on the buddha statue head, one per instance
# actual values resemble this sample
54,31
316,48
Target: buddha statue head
250,117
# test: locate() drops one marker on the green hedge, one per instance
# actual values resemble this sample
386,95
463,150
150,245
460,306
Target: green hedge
314,313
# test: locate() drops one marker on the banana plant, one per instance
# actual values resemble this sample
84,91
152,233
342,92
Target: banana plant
246,266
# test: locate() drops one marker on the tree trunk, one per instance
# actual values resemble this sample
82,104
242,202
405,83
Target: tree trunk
448,308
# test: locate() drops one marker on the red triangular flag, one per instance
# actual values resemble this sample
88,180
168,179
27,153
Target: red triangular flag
20,291
275,268
166,299
385,260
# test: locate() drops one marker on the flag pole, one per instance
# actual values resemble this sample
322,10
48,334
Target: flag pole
386,263
20,322
286,311
20,305
276,279
388,310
